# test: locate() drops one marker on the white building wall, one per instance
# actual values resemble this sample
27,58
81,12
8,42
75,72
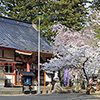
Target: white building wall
10,77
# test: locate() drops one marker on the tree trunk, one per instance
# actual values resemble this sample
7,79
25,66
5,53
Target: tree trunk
88,89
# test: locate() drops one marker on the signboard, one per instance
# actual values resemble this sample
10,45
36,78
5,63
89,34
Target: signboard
48,78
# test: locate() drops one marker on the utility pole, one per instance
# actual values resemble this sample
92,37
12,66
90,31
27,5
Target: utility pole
39,58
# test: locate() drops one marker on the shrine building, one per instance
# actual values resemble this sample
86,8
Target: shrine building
19,52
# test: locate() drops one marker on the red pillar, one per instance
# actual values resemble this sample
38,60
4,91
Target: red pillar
18,78
28,67
97,86
50,87
44,82
12,74
67,88
15,75
91,84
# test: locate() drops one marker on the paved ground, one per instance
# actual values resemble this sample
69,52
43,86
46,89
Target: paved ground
56,96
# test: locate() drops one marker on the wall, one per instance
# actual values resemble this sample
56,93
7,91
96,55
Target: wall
9,53
0,53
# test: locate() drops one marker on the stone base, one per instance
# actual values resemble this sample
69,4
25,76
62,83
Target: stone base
58,88
2,82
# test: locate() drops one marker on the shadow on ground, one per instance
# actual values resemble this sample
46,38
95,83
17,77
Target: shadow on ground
28,92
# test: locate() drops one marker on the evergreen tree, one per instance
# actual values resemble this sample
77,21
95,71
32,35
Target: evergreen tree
71,13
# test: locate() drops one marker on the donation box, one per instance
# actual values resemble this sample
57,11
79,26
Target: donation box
27,78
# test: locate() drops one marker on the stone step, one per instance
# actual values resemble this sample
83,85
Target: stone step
14,91
10,92
97,92
11,89
18,90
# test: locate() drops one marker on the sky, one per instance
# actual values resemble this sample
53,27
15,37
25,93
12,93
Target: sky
87,4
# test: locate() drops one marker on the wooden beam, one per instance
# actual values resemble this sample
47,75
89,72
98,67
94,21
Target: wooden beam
14,55
6,59
6,48
43,54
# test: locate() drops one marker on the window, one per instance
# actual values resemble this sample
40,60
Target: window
8,69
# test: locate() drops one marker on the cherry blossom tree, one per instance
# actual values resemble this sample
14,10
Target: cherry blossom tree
93,18
75,50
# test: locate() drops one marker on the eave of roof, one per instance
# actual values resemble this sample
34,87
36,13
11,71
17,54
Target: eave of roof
27,74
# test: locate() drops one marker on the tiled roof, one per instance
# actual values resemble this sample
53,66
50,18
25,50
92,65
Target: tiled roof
21,36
